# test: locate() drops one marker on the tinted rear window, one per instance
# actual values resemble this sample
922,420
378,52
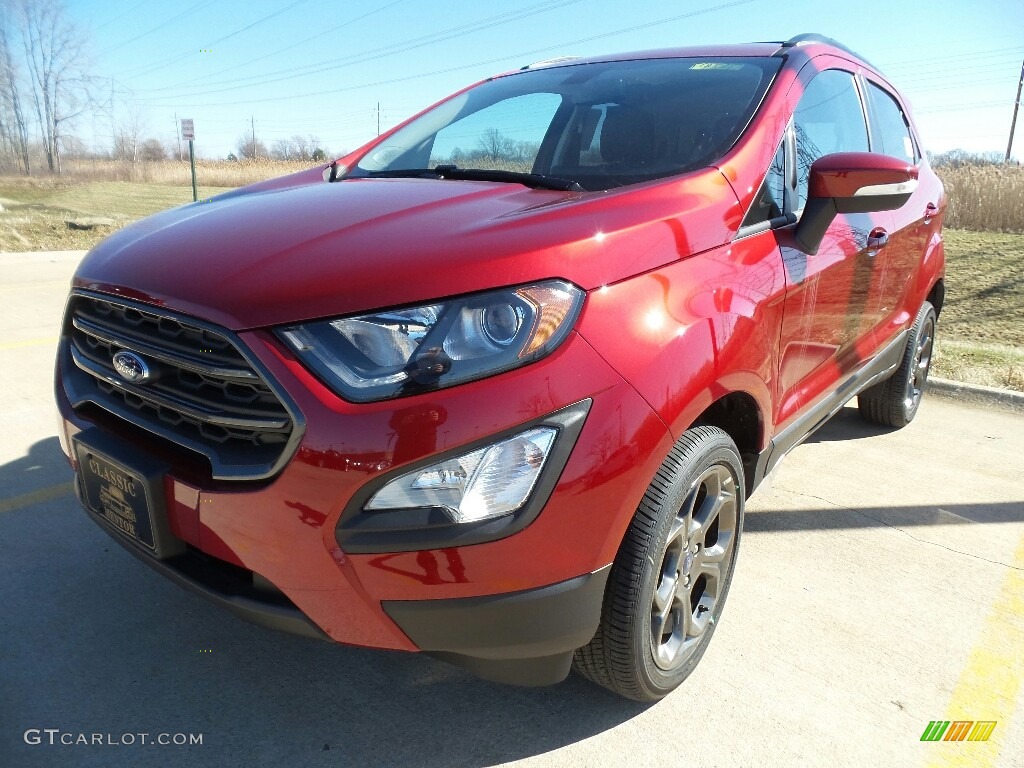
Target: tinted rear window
892,136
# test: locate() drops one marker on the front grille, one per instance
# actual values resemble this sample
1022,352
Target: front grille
204,394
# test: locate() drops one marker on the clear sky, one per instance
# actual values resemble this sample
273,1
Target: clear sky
319,67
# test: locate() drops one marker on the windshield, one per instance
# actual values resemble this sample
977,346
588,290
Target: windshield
600,125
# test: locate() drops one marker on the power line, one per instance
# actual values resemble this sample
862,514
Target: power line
258,22
164,63
191,9
958,85
962,107
927,62
119,16
291,73
944,74
1005,61
297,44
519,56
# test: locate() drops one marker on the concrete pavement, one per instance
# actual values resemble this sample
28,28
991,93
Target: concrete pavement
880,586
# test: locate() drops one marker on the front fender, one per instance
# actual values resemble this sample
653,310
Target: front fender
691,332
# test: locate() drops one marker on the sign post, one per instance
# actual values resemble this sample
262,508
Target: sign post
188,131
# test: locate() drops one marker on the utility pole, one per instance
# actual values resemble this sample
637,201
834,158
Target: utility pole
177,133
254,153
188,130
378,118
192,162
1016,108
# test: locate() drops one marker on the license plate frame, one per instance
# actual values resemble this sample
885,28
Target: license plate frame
114,493
122,489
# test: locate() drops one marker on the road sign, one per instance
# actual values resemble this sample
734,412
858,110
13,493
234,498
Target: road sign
188,132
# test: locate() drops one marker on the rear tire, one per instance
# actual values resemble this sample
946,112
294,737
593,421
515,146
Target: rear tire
668,585
894,402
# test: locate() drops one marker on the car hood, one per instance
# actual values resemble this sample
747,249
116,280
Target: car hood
305,249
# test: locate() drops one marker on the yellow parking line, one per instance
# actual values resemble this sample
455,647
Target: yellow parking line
35,497
27,343
991,680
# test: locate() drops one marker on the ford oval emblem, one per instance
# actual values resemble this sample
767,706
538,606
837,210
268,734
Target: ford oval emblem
131,367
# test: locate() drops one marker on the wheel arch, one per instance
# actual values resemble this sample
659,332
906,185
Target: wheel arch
937,295
739,415
930,283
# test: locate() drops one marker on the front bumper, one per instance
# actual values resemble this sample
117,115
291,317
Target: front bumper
524,638
278,539
519,638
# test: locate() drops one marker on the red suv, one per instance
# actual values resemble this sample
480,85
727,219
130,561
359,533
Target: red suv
496,385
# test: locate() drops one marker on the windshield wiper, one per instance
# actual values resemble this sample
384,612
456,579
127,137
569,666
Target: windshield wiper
534,180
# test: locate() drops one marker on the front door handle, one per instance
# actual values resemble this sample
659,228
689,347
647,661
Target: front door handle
930,211
877,239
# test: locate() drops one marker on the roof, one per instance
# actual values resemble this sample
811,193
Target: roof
804,41
701,51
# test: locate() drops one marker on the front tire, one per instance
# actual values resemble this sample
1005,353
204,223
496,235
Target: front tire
668,585
894,402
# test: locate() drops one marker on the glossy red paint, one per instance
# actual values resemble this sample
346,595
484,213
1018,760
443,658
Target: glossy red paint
704,323
285,531
844,174
684,307
341,237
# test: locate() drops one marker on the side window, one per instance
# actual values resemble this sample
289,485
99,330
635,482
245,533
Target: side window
770,202
890,126
828,119
503,136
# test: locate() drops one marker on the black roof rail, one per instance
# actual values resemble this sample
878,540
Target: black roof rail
812,37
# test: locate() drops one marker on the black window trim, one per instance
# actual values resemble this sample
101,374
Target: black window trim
865,107
791,216
866,81
863,114
786,218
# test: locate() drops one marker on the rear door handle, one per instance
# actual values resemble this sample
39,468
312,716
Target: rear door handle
930,211
877,239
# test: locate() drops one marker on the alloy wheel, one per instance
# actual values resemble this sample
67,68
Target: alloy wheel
919,368
694,568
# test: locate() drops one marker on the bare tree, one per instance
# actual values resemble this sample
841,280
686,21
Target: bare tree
56,62
495,149
282,149
73,147
152,151
13,123
317,150
297,148
128,139
493,144
301,145
248,148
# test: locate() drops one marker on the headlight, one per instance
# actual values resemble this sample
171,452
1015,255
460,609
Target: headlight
401,352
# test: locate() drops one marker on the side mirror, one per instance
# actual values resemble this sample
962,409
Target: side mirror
851,182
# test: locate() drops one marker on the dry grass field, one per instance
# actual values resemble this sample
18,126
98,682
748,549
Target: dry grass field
35,209
984,197
213,173
981,333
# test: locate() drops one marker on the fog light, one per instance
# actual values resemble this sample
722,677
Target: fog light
487,483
